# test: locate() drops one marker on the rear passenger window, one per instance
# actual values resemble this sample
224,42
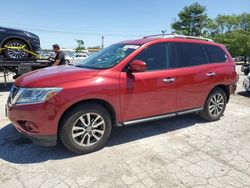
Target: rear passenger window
189,54
215,54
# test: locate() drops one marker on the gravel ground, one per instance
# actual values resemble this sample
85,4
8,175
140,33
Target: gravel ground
178,152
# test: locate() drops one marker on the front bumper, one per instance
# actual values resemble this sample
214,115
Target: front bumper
42,140
37,122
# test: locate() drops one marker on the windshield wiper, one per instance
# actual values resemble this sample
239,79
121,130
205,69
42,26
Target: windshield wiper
88,67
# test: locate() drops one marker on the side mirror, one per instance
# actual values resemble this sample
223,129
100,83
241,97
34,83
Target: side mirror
137,66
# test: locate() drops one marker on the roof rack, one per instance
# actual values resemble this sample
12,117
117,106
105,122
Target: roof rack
177,36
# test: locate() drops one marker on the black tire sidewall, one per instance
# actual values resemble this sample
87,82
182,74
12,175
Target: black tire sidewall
72,116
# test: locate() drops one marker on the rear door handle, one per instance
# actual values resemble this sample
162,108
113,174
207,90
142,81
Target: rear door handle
168,80
211,74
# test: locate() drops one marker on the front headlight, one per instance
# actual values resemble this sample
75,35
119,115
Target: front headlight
30,34
35,95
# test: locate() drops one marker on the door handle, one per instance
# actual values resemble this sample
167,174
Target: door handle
211,74
168,80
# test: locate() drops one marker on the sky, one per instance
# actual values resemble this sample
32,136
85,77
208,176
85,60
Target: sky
65,21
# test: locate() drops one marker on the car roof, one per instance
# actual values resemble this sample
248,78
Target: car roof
137,41
171,38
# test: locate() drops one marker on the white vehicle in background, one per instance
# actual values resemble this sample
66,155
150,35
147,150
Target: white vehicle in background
75,58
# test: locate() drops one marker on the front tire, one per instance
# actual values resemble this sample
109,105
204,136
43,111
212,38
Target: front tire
215,105
86,128
15,53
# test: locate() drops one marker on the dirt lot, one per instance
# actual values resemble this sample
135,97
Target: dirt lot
178,152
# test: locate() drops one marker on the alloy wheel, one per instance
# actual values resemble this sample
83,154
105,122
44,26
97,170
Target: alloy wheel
216,104
88,129
15,53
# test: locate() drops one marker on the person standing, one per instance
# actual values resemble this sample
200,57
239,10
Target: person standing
60,57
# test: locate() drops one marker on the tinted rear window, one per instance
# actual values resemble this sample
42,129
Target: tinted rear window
215,54
189,54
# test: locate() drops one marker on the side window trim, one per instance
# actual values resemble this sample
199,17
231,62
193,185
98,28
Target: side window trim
175,55
167,59
171,63
205,53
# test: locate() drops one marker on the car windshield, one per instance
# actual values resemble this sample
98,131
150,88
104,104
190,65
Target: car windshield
108,57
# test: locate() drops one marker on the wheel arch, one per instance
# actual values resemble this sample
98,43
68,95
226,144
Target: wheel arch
225,88
5,40
100,102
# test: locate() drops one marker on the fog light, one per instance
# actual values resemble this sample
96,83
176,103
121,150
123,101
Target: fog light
29,126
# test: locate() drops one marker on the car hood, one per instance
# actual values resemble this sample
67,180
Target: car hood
53,76
11,29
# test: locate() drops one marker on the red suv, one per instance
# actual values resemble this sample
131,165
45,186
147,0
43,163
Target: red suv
126,83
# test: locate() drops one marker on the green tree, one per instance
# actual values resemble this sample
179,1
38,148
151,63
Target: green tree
192,20
226,23
237,42
211,28
244,20
233,31
80,45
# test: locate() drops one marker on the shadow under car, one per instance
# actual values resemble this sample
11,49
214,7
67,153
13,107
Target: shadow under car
15,148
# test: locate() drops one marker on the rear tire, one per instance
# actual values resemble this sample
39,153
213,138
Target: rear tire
86,128
215,105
